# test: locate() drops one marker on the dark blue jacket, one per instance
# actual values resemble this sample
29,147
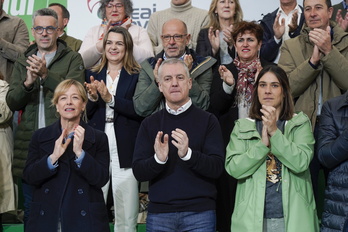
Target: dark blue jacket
269,48
126,121
333,154
70,194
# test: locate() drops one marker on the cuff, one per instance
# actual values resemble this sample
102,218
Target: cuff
188,155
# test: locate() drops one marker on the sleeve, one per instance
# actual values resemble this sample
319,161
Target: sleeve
243,159
269,48
220,101
95,167
203,44
209,161
36,170
332,143
145,167
5,111
147,96
200,91
300,76
11,50
153,31
17,96
88,49
142,44
296,150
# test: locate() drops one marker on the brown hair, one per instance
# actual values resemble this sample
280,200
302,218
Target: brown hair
287,106
252,27
129,62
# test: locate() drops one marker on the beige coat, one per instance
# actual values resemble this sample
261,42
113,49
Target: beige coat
7,194
304,79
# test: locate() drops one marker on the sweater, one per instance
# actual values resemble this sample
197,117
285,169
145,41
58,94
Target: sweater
178,185
195,20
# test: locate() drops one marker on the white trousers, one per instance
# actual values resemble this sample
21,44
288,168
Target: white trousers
124,189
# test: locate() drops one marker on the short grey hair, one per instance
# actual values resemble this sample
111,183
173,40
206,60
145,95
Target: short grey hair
45,12
173,61
128,8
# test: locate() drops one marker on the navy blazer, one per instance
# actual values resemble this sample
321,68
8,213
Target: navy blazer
269,47
68,193
126,120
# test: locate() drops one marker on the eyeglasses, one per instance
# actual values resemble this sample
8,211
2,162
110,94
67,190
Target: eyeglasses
40,30
117,5
177,38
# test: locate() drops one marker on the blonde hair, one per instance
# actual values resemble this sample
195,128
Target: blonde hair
214,18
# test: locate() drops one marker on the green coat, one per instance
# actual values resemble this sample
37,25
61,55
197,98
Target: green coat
246,161
66,64
304,79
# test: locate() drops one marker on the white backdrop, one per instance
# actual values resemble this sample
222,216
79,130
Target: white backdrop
252,9
84,12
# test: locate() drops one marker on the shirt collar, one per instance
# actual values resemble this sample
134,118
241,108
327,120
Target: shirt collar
180,58
181,109
298,8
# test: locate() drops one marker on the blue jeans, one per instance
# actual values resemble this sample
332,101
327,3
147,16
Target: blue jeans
28,197
181,221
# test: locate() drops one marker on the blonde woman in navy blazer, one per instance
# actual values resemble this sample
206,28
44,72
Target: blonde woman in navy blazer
110,86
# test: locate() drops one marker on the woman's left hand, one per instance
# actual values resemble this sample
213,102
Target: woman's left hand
228,36
79,136
103,91
269,119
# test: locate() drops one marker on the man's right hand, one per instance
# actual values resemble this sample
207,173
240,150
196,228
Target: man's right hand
161,148
279,28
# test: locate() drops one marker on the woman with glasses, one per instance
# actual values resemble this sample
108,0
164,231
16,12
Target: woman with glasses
111,85
68,165
269,154
115,13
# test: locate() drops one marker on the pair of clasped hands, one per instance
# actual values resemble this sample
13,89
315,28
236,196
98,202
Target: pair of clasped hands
96,87
180,141
36,69
78,133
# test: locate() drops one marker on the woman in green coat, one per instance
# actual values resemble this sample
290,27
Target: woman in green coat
269,153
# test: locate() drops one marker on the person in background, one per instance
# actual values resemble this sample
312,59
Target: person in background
35,76
193,17
316,63
68,163
216,39
340,14
14,40
269,153
284,23
63,20
7,192
179,150
332,154
111,85
114,13
175,39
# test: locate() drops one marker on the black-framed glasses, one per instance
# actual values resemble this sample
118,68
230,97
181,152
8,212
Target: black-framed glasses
111,6
40,30
176,38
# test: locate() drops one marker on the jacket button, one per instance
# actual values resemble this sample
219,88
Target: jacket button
42,212
83,213
80,191
47,191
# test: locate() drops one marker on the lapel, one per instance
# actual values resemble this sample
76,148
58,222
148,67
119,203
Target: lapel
123,83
